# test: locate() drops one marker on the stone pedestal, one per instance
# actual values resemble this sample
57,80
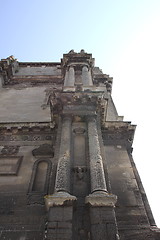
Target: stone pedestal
60,214
102,216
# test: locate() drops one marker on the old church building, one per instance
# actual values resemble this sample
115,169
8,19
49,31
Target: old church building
66,166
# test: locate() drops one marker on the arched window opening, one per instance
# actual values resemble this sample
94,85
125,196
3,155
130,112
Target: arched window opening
40,176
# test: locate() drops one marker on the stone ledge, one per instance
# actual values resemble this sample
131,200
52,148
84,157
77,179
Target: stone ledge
59,199
100,199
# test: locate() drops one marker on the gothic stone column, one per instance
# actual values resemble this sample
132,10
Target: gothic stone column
101,203
60,204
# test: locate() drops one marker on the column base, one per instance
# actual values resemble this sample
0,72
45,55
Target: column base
59,199
100,198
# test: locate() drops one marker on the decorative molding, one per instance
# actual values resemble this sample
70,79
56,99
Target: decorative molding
37,137
80,171
59,100
24,127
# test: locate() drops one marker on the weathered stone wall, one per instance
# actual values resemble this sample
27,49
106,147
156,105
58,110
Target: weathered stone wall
41,70
23,105
22,210
132,219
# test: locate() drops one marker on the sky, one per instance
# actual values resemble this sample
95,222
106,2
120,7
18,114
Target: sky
123,37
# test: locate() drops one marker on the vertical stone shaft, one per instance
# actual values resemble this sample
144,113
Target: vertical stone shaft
71,76
86,76
63,168
98,182
66,78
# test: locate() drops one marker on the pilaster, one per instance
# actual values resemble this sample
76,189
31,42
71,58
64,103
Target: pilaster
98,182
60,203
101,203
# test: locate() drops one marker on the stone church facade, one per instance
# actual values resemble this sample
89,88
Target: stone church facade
66,166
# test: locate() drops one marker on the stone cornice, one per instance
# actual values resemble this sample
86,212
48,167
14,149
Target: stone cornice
14,128
74,58
9,78
59,99
118,133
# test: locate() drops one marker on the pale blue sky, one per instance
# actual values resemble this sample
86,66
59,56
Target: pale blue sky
124,38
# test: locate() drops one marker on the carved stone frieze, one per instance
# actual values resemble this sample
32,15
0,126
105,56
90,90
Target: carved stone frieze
12,132
10,150
31,127
37,137
58,100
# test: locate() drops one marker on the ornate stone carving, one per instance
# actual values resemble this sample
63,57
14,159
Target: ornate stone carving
10,150
79,130
80,171
63,168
